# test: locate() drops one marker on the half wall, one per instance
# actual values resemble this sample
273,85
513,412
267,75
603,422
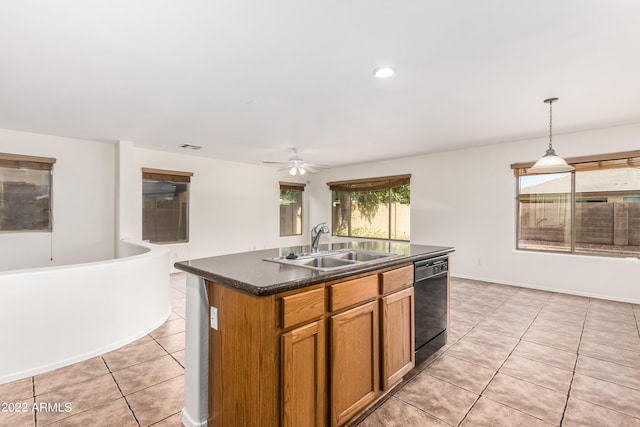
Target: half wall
55,316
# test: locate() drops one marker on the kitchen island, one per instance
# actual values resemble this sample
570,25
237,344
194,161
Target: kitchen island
270,343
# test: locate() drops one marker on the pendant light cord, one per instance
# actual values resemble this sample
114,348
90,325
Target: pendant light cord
550,122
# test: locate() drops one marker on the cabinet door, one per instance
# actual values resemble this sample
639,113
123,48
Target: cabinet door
355,368
398,343
304,376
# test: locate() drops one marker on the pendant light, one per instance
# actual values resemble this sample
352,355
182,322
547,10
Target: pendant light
550,162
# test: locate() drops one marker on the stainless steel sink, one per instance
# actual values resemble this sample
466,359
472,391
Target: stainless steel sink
321,262
362,256
334,260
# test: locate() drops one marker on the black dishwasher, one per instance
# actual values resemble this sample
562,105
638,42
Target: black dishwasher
430,293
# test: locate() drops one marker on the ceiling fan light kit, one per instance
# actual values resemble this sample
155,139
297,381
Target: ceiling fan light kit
297,170
550,162
297,166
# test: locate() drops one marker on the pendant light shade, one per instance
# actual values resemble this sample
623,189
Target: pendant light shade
550,162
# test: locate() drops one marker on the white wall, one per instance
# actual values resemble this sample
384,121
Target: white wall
234,207
463,198
466,199
83,203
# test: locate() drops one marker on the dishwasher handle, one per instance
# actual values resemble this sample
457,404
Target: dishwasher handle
431,261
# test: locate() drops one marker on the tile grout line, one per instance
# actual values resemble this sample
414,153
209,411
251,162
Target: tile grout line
120,390
501,365
547,303
519,341
464,335
164,419
599,379
167,351
604,360
145,360
169,354
169,379
575,365
33,388
438,357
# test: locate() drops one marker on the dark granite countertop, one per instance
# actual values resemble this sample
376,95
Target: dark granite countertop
249,273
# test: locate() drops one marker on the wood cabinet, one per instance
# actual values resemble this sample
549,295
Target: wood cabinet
352,292
304,359
396,279
302,307
397,331
354,361
397,324
304,376
309,357
244,360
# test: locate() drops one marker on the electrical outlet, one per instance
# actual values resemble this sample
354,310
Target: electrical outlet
214,318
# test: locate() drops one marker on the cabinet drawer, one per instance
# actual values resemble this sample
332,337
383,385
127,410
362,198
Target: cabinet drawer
393,280
302,307
352,292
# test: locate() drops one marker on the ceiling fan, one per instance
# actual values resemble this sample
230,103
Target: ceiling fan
296,165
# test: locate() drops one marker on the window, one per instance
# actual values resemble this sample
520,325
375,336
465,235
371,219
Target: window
165,206
593,210
376,208
25,193
291,208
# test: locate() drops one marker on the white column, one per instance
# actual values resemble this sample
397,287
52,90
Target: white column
196,395
125,192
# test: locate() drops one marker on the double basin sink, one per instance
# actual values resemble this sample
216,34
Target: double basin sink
333,260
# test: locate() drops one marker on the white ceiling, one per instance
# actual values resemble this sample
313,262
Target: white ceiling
248,79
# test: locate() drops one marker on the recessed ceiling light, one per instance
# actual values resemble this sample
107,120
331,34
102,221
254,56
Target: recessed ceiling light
384,72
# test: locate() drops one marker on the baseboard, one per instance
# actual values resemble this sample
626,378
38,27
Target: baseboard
542,288
189,422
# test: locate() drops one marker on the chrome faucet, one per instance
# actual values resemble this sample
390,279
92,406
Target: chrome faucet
316,232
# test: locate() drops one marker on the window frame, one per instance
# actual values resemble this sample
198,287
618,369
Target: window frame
364,185
35,163
623,159
293,186
170,176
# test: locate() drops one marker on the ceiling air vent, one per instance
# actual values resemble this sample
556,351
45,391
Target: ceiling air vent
193,147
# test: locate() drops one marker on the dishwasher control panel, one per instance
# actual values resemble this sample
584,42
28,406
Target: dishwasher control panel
439,268
431,267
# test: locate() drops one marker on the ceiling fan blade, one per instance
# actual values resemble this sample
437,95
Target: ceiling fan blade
313,165
296,162
309,169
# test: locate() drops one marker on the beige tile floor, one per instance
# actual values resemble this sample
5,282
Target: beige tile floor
515,357
521,357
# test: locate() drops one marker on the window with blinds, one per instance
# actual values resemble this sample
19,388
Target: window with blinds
165,206
594,210
25,193
291,208
377,208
